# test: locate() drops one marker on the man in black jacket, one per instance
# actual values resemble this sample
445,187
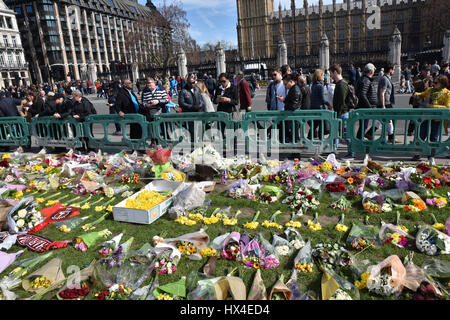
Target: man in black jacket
82,107
190,99
56,107
211,84
8,107
226,96
292,102
367,95
127,103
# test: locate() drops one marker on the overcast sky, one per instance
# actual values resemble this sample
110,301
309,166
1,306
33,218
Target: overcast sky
214,20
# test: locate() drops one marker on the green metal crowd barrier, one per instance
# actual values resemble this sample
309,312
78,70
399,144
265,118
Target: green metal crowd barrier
52,132
377,142
191,129
109,142
14,131
257,130
292,129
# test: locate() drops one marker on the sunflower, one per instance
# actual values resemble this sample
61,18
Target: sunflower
182,249
256,265
350,180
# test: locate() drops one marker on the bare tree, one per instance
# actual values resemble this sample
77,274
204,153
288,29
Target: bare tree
155,38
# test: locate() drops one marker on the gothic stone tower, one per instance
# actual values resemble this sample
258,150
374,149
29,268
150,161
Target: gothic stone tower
253,28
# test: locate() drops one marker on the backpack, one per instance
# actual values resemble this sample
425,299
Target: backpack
352,99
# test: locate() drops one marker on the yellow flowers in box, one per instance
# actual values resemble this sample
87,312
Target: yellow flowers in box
145,200
40,282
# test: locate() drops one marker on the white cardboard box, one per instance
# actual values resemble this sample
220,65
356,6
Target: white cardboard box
120,213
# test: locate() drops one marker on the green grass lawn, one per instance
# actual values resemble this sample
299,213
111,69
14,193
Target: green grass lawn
327,216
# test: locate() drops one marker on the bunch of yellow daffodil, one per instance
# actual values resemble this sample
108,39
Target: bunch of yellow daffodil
293,224
185,220
212,220
341,227
198,217
229,221
314,226
268,224
251,225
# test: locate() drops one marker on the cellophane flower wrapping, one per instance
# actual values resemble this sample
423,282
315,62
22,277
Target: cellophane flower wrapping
304,255
393,234
374,202
161,156
437,268
231,249
130,273
189,198
281,247
199,239
365,232
388,277
12,223
431,241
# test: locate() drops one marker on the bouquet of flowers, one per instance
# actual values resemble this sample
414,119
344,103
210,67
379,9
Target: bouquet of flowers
335,187
118,291
191,244
165,258
303,261
412,202
255,255
118,256
241,189
302,201
186,247
269,194
431,183
331,256
437,202
27,218
431,241
231,248
387,278
362,237
395,235
131,179
281,247
342,204
294,238
376,203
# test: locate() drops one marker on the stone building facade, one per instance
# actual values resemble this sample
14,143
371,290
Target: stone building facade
356,33
84,39
13,68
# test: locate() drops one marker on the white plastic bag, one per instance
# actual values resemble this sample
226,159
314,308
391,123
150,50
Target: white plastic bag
189,198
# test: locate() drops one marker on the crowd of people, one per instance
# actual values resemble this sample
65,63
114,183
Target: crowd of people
287,90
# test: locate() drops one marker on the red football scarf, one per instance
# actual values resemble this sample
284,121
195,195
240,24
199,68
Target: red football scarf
54,214
38,243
